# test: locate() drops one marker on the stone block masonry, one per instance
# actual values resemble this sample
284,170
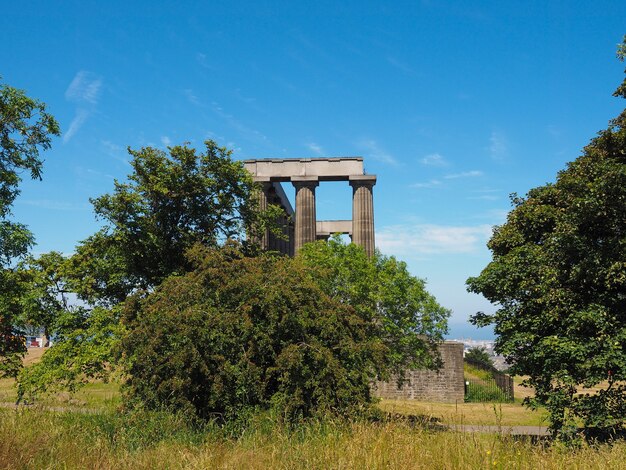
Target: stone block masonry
446,385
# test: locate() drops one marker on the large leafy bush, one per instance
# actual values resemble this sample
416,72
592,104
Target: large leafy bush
239,334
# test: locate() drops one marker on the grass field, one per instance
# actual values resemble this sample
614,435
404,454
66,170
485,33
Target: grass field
56,435
32,439
98,396
492,414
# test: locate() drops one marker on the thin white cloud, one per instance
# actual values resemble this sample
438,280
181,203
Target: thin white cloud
435,159
426,185
203,62
84,90
485,194
420,239
233,146
245,131
249,100
78,121
115,151
99,174
398,64
191,96
165,140
315,148
498,146
465,174
111,147
213,136
376,152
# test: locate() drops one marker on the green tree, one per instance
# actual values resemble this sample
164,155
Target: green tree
481,356
239,334
85,347
558,275
404,318
25,129
45,290
171,201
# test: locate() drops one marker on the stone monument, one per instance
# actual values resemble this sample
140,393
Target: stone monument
301,226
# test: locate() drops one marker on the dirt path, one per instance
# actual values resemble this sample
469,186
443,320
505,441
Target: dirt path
510,430
43,408
33,355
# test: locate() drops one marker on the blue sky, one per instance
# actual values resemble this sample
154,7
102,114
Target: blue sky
454,105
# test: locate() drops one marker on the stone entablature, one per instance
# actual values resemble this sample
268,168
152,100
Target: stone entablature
324,169
326,228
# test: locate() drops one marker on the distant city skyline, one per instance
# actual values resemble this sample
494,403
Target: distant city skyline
453,106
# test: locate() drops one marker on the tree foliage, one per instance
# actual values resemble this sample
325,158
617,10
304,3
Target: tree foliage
558,275
479,355
406,320
85,348
12,346
46,293
170,202
241,333
85,336
25,129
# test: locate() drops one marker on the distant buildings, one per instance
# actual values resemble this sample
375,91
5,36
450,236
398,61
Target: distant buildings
35,341
488,344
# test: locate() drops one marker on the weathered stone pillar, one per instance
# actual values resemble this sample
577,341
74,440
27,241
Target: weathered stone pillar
282,243
306,227
363,212
264,201
292,238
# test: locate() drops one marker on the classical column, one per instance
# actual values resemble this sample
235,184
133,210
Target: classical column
292,238
282,244
263,198
274,241
363,211
305,210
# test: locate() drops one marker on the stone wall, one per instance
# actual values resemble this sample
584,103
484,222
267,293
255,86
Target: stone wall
445,385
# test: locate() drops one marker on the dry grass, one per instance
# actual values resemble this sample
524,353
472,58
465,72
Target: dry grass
7,386
94,395
506,414
523,392
31,440
33,355
7,391
107,440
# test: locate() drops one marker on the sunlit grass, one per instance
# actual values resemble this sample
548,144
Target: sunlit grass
95,395
55,435
492,414
33,439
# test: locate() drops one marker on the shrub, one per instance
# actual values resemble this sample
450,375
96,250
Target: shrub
239,334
